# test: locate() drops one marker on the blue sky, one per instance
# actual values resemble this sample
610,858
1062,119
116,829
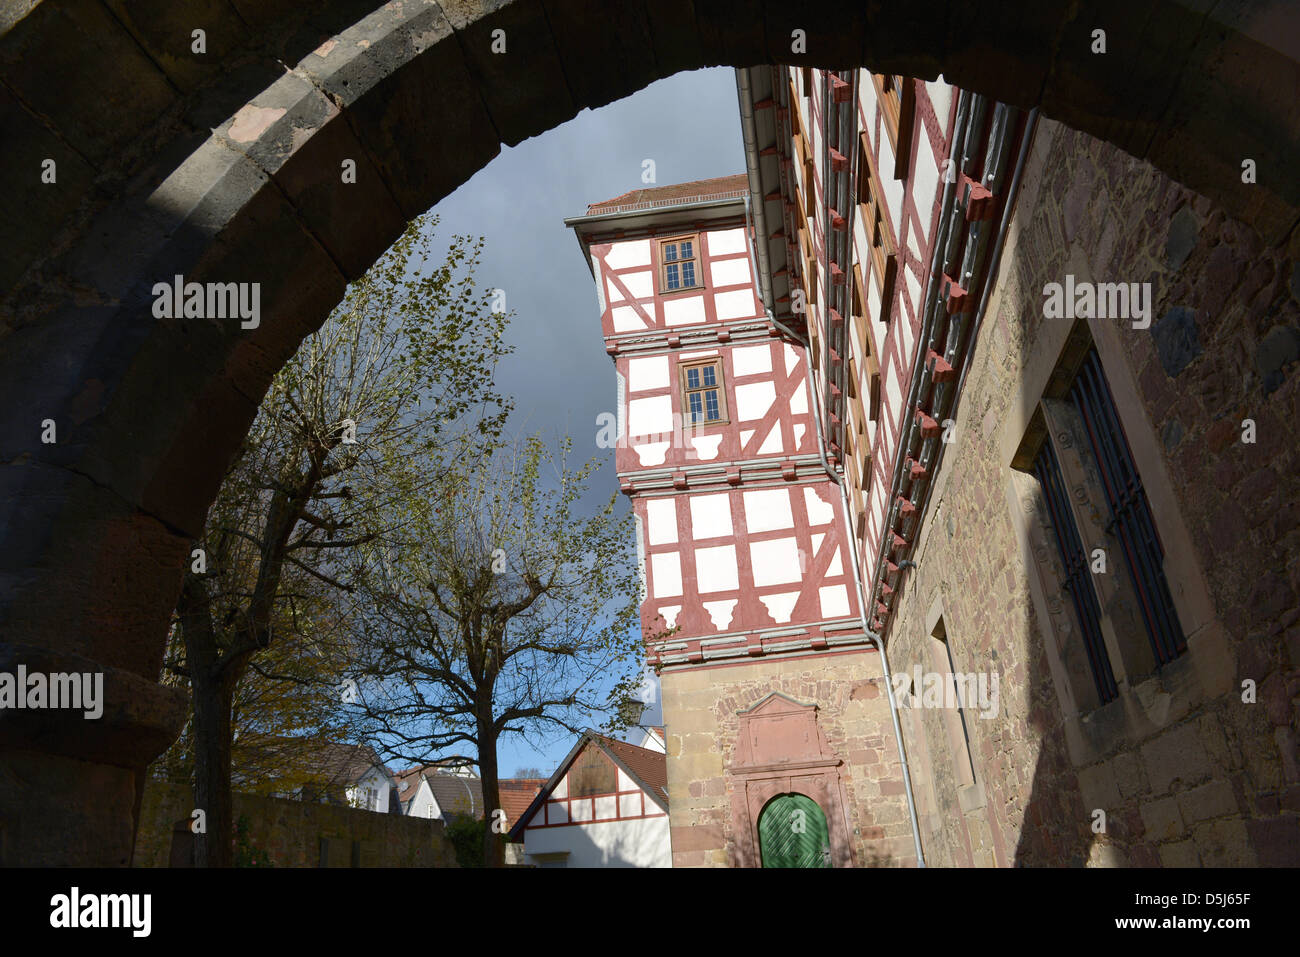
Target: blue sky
559,375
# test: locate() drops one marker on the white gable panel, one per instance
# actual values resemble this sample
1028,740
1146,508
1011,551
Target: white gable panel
556,813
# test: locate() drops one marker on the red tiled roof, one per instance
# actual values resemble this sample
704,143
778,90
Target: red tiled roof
516,794
678,193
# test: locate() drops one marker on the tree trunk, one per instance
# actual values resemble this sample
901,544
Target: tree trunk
213,701
493,842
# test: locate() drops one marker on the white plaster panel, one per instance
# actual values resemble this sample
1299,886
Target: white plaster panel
651,453
768,509
792,358
774,443
834,601
581,810
780,606
640,284
556,813
625,783
751,360
561,789
730,272
606,807
925,178
720,612
706,446
633,252
667,570
648,373
799,401
629,805
627,319
661,516
683,310
738,304
892,391
775,562
723,242
710,516
651,415
941,99
753,399
819,511
715,568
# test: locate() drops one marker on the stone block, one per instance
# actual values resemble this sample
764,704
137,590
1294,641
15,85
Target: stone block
1161,819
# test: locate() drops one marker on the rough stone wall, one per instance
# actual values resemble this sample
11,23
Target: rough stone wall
701,710
1187,773
291,831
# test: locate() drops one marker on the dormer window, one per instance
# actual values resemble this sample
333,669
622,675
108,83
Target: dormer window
678,258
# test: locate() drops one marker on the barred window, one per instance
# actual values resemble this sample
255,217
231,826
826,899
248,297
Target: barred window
1130,512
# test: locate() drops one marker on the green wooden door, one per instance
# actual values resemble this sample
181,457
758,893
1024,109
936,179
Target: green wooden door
792,832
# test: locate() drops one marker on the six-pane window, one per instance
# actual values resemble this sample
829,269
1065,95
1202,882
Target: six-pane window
677,259
704,400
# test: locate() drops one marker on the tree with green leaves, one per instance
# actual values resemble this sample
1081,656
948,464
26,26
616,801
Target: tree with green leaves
518,614
360,421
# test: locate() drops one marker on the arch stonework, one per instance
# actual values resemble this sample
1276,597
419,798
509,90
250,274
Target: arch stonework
225,167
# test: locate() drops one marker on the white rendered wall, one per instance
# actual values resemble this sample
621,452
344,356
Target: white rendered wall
642,842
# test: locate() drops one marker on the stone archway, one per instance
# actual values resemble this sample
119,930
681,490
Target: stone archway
225,166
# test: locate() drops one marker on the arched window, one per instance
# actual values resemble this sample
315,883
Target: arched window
792,832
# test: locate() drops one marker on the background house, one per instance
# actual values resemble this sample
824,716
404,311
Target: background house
606,806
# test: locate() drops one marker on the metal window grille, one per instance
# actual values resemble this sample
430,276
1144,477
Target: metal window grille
1078,574
1130,512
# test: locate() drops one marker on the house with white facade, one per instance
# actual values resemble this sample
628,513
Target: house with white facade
432,792
352,775
605,806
